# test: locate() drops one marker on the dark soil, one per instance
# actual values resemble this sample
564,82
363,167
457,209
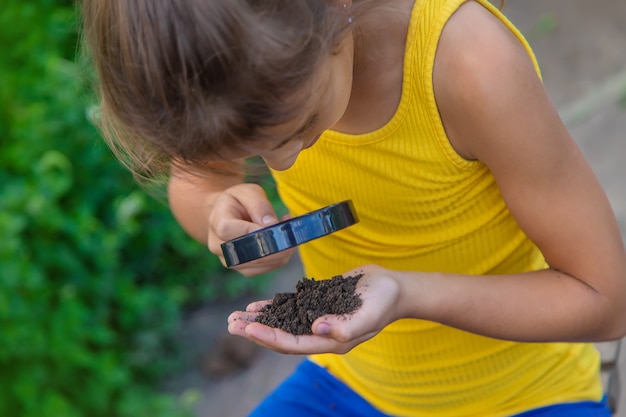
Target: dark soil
296,312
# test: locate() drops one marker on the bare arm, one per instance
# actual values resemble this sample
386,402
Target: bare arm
496,111
191,199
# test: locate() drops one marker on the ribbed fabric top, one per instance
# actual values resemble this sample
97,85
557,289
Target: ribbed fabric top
424,208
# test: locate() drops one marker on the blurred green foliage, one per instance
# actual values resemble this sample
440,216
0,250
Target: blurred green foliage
94,273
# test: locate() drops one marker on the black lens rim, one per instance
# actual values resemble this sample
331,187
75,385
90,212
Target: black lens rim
289,233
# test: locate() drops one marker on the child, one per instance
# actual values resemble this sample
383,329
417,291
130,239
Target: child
490,252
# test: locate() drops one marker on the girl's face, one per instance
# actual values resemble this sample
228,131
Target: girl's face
327,104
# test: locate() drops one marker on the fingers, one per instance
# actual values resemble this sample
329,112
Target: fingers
238,320
254,202
239,210
243,323
288,343
256,306
263,265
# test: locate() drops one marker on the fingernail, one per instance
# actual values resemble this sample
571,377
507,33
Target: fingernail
268,219
323,329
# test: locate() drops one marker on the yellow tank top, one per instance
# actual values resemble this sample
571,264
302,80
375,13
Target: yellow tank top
424,208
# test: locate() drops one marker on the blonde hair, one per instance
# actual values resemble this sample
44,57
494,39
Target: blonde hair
181,80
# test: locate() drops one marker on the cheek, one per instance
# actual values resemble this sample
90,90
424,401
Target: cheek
343,86
341,98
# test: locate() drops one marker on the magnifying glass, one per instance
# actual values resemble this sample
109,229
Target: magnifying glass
289,233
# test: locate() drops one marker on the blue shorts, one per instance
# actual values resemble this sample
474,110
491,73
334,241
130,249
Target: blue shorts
311,391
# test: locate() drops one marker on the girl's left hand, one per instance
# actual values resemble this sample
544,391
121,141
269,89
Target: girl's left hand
380,293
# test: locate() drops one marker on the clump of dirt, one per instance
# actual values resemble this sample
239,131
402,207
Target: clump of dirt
296,312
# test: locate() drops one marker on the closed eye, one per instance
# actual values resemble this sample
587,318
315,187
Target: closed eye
310,124
282,144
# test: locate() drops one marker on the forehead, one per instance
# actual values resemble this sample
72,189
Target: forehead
298,107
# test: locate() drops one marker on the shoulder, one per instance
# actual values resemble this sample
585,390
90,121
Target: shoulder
475,41
482,74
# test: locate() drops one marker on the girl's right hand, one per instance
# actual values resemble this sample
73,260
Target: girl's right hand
239,210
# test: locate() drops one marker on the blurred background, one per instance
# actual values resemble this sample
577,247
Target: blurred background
106,307
95,275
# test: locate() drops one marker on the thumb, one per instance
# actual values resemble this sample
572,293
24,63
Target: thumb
256,204
263,214
332,326
322,329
